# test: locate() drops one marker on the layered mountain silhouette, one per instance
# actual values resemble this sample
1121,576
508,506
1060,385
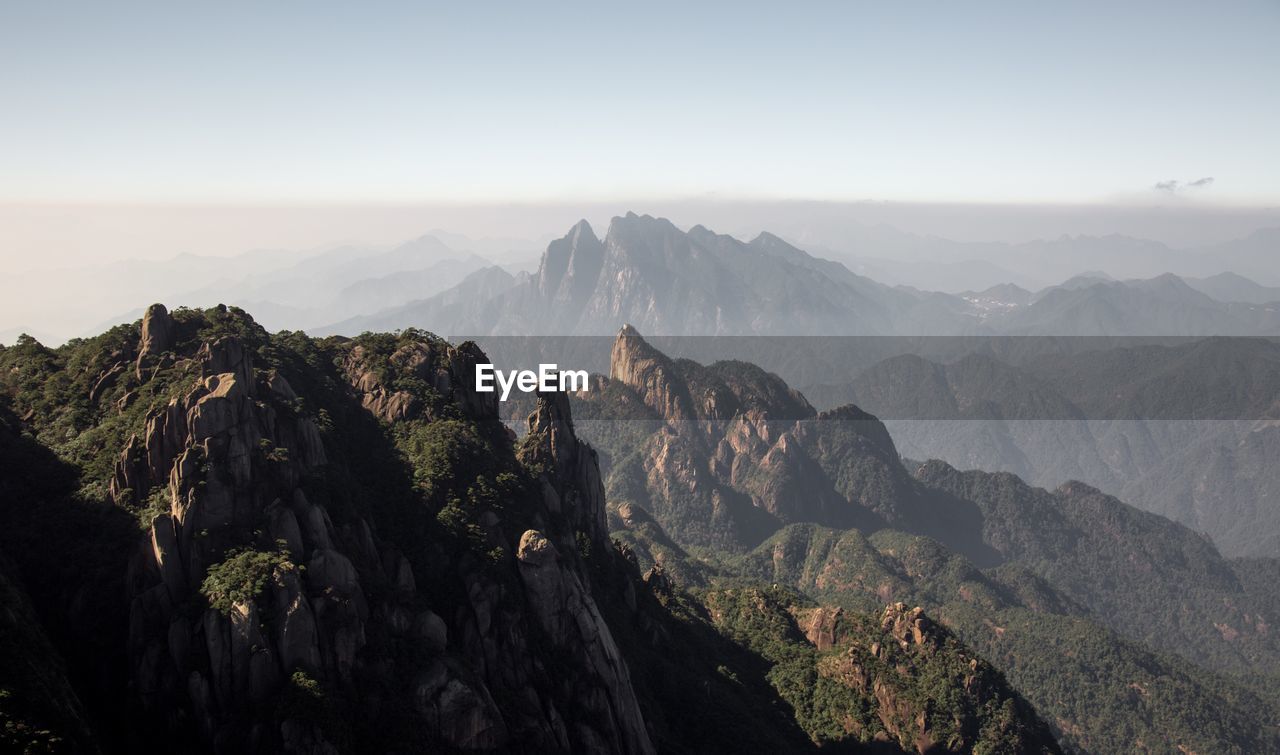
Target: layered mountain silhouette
342,288
1233,287
666,281
648,272
898,257
1182,430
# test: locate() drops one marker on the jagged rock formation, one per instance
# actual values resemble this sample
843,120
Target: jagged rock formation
651,374
740,455
227,457
343,549
667,281
257,612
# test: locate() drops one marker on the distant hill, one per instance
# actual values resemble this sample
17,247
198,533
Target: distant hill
1229,287
1181,430
930,262
1165,305
445,312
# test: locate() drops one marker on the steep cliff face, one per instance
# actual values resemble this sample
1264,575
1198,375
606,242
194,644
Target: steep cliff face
740,454
570,268
223,466
651,374
343,548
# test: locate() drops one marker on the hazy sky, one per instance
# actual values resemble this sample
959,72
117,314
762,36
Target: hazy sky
149,130
401,102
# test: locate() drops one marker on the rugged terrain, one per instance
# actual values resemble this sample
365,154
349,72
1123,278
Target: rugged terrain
217,539
1125,629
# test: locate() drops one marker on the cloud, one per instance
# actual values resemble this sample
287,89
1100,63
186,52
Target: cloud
1177,187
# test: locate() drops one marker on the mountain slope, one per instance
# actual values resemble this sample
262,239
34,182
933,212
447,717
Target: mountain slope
735,463
1165,305
1182,430
1231,287
450,311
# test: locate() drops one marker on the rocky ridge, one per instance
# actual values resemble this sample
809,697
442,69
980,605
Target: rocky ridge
230,461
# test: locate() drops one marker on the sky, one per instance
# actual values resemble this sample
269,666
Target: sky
996,102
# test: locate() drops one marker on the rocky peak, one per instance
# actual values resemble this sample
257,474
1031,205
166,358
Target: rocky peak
909,626
157,331
449,370
574,487
651,374
565,611
644,238
571,266
865,425
227,355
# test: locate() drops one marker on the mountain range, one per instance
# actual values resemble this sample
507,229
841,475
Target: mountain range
1161,444
929,262
1184,430
665,281
287,289
949,288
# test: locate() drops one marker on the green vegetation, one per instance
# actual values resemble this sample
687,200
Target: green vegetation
1100,691
242,577
870,685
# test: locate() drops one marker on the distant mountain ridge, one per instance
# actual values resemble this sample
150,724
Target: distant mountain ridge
721,285
899,257
1185,430
1229,287
647,272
